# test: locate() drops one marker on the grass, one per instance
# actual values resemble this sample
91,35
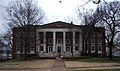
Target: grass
99,70
103,60
15,61
11,62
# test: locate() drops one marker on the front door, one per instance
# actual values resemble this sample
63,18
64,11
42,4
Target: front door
59,49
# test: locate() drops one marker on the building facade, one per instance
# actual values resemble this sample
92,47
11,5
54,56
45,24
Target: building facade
56,38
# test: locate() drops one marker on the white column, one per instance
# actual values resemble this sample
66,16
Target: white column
73,41
44,42
64,42
37,42
54,39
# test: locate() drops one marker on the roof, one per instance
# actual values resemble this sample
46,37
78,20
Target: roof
59,24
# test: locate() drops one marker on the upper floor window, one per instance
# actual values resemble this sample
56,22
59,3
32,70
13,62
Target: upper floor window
76,40
32,34
85,41
99,35
92,41
93,34
32,41
17,41
18,34
41,41
100,41
67,41
50,40
59,40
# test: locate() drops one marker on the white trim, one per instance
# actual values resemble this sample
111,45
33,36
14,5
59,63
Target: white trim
58,30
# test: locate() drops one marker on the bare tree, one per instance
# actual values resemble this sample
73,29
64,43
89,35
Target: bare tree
7,41
89,18
111,17
23,12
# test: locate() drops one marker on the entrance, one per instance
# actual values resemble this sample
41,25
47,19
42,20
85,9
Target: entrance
59,49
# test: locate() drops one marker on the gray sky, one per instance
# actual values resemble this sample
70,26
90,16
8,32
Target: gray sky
56,11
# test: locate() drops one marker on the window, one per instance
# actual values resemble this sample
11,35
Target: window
32,41
84,48
85,41
18,34
99,35
92,48
18,41
32,49
76,40
67,41
41,48
68,49
76,47
41,37
99,48
99,40
93,34
32,34
19,49
50,49
59,40
92,41
50,40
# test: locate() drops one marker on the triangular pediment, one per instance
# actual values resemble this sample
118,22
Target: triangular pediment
59,24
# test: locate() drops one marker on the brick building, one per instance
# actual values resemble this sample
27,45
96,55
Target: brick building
56,38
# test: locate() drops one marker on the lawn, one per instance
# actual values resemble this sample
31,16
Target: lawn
93,63
103,60
35,63
98,70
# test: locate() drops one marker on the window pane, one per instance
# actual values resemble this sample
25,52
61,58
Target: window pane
92,41
41,48
68,49
68,41
99,48
50,49
92,48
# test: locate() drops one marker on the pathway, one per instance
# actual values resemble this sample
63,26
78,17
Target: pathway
59,65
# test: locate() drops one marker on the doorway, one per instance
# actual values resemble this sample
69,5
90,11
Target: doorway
59,49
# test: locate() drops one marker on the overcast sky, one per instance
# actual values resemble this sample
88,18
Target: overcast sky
56,10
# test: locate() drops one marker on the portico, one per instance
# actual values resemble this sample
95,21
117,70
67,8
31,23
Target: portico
59,41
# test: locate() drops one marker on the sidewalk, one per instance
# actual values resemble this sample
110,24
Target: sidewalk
59,65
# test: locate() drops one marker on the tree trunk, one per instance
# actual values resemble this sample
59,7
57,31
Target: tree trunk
110,52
